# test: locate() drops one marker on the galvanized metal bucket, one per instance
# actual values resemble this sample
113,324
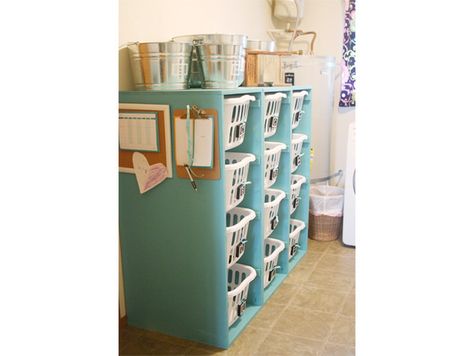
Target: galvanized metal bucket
160,65
196,74
258,45
222,65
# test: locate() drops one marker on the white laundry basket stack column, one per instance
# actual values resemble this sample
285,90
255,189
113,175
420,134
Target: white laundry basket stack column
272,113
236,172
238,281
238,221
295,229
273,198
297,108
296,182
273,249
296,147
236,111
272,160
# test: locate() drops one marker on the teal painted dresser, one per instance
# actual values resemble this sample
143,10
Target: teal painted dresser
173,238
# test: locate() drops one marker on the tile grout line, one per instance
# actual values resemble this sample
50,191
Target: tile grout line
326,340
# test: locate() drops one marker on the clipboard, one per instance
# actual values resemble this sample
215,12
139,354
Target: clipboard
205,166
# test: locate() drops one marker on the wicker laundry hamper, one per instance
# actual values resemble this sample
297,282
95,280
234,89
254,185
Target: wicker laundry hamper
324,227
325,212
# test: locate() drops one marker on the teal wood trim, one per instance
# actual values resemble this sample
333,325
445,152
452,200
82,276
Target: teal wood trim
241,324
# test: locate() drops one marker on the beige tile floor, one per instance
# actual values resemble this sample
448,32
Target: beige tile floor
312,313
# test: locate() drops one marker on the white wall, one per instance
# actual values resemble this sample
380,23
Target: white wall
326,17
160,20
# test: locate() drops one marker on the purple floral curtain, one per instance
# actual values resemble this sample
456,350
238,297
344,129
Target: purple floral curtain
348,74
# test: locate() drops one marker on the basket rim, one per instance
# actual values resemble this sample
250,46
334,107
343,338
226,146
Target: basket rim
279,248
280,196
278,146
245,158
240,100
275,96
243,284
298,94
300,225
297,138
299,180
246,219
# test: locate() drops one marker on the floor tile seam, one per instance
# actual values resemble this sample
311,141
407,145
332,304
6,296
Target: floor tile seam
292,335
259,344
339,344
342,254
312,310
331,270
340,290
330,289
345,301
339,312
323,343
332,328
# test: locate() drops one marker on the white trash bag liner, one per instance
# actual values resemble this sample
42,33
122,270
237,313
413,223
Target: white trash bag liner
326,200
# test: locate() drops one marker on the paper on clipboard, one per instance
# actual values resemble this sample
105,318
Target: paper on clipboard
202,131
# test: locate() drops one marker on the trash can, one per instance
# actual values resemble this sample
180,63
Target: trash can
325,212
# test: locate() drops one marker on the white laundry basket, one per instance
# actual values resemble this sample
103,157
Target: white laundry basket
236,111
295,229
297,108
272,113
238,280
236,172
272,250
238,220
273,198
272,160
296,147
296,182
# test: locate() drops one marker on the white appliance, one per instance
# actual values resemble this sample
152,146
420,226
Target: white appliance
320,72
348,228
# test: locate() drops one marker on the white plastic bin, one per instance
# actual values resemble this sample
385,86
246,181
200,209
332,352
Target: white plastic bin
295,229
297,108
238,280
273,249
236,172
296,147
273,198
238,221
272,113
272,160
296,182
236,111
